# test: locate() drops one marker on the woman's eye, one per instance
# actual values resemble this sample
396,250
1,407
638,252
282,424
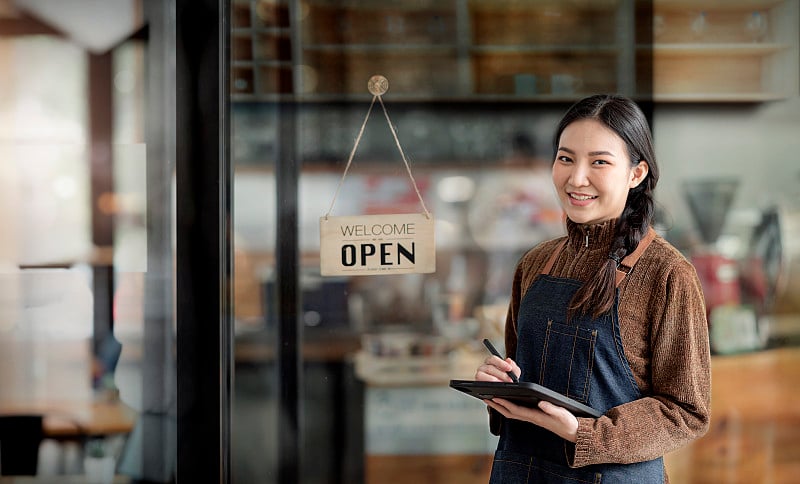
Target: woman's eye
564,159
600,162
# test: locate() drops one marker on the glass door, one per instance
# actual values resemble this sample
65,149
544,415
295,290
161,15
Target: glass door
113,265
344,379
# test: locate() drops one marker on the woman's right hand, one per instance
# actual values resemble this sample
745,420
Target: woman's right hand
496,369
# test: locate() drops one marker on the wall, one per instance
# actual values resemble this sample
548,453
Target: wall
758,144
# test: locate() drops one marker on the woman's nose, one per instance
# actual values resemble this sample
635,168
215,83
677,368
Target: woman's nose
579,175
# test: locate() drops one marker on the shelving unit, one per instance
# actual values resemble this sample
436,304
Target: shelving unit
261,45
320,50
344,43
549,50
724,51
514,50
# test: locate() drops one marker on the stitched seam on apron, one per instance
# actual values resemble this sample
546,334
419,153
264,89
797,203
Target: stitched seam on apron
576,479
530,466
575,335
589,370
571,359
544,352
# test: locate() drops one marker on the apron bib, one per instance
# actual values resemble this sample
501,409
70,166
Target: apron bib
582,359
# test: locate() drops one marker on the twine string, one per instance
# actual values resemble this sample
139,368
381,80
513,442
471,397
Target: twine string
403,155
350,158
399,148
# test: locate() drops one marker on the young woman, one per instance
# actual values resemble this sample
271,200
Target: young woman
611,315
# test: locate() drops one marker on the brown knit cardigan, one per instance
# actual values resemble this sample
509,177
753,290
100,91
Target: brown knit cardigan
665,338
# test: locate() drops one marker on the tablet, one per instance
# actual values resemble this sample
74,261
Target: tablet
522,393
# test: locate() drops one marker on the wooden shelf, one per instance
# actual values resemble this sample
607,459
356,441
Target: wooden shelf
383,48
706,51
376,23
543,23
727,5
736,49
507,50
545,50
717,97
564,49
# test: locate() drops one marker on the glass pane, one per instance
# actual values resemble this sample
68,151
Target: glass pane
255,405
476,89
87,321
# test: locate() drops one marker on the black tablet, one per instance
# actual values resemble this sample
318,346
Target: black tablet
523,393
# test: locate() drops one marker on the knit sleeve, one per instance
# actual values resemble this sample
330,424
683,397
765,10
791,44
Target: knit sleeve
676,407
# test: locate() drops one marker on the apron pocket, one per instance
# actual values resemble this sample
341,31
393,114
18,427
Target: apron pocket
567,360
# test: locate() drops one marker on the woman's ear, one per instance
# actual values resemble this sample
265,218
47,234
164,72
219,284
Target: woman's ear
639,173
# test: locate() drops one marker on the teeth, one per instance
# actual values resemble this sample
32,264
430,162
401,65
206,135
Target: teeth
581,197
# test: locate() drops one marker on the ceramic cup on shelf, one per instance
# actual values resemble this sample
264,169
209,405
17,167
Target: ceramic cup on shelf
525,84
564,84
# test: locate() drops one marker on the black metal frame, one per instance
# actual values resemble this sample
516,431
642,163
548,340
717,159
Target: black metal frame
287,256
204,242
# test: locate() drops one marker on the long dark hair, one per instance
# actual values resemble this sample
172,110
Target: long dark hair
626,119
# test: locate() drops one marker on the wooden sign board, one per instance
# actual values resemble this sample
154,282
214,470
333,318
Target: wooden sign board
377,245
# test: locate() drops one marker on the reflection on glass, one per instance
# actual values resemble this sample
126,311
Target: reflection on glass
76,297
485,171
756,26
699,24
659,26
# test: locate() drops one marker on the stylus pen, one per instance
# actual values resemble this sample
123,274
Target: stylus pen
488,344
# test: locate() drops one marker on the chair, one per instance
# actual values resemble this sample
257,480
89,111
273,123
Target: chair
20,436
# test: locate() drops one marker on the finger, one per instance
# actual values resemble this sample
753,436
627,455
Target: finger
500,363
548,407
489,374
506,404
499,408
513,411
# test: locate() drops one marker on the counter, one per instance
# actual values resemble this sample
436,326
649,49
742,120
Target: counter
754,433
755,423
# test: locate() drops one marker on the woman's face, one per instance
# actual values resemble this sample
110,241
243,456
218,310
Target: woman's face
592,172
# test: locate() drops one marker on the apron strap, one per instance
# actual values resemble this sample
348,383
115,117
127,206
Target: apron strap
625,265
552,260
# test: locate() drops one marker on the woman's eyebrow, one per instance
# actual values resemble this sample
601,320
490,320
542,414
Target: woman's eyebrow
591,153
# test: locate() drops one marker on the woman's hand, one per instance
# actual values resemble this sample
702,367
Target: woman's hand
556,419
496,369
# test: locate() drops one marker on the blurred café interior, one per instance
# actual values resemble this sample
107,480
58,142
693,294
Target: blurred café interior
165,164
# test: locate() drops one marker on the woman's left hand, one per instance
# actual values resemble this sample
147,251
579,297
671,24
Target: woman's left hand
556,419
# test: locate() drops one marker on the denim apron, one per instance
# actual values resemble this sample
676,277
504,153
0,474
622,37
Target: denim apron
582,359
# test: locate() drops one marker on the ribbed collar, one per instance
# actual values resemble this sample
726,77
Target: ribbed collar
592,237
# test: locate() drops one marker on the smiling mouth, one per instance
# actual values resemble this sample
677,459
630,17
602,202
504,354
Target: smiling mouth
582,198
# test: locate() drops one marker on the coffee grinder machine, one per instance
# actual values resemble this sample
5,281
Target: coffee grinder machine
709,202
733,326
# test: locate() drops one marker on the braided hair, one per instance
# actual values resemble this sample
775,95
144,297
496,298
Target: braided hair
626,119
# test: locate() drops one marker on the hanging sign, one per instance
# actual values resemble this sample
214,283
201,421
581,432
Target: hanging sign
377,244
